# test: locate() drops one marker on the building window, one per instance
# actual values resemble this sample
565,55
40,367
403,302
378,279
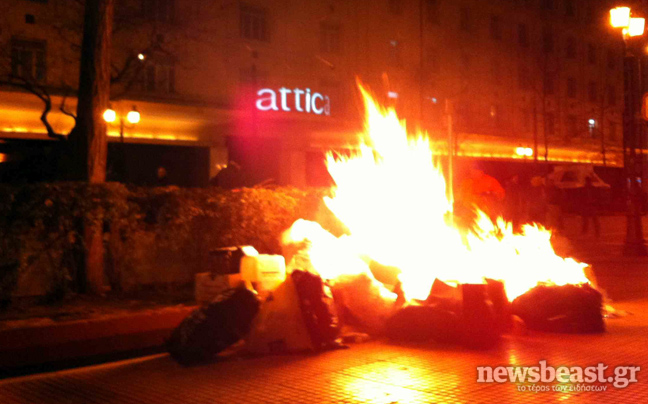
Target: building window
495,28
433,61
589,11
523,78
548,84
464,19
28,59
591,54
395,7
611,93
497,115
254,23
464,113
612,131
592,128
571,87
572,126
464,64
592,91
158,10
432,11
496,72
526,118
253,76
571,48
524,121
547,5
395,53
547,41
550,124
330,38
523,35
570,9
611,59
158,78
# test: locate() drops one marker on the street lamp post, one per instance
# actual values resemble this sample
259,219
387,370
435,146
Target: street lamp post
131,119
451,150
620,17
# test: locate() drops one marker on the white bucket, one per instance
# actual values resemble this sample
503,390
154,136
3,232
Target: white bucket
264,272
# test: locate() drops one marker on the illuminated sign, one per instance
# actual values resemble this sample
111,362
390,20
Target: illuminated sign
297,99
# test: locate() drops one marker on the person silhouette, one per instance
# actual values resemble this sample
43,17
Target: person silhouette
589,209
162,179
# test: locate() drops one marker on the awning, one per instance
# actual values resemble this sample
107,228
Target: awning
161,123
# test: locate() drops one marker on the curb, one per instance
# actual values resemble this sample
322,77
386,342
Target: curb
36,345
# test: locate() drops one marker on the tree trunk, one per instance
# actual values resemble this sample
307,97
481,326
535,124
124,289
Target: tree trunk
89,135
88,139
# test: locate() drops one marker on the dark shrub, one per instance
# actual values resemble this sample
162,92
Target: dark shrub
151,235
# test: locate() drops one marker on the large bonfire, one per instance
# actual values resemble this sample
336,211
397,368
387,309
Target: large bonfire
391,196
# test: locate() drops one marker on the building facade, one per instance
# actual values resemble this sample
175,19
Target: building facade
272,84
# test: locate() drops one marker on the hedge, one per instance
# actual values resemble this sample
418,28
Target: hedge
151,235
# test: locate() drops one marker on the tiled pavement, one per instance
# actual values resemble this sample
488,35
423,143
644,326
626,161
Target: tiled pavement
374,372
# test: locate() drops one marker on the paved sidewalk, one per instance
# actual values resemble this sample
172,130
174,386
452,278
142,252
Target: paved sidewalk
621,277
36,343
609,244
375,372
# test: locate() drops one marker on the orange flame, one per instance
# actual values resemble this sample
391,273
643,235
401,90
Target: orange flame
392,198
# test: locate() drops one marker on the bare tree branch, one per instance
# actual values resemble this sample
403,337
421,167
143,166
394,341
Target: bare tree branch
42,93
129,85
120,73
154,46
50,131
62,107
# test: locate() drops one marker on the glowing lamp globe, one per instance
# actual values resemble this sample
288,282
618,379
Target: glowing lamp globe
524,151
133,117
620,17
636,27
109,115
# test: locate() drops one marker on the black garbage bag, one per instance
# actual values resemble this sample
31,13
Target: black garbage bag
318,309
564,309
212,328
480,328
501,305
423,323
470,321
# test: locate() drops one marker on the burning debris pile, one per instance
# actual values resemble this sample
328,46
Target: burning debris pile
404,269
393,200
